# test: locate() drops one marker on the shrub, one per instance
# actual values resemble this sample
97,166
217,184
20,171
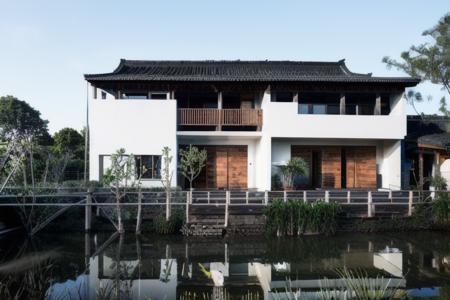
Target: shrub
162,226
441,207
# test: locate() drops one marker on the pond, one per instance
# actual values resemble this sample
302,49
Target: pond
103,266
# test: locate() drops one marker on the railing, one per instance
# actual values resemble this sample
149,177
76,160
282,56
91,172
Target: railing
219,117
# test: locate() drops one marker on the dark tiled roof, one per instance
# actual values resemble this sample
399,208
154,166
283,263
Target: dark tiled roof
241,71
441,140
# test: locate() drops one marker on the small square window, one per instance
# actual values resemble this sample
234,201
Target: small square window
148,166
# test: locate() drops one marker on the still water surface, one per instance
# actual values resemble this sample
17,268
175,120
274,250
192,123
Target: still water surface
96,266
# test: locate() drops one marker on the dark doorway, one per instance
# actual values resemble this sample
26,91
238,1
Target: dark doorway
316,169
343,169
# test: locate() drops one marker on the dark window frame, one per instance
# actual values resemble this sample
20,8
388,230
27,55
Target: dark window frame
151,173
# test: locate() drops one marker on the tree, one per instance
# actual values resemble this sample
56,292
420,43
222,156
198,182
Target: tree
120,176
166,177
429,61
192,161
296,166
70,143
18,118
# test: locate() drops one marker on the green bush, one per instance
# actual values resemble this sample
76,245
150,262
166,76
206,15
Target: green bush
296,217
441,207
161,226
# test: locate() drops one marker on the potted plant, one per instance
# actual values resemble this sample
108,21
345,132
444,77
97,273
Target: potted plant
294,167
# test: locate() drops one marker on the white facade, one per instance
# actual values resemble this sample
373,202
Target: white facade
144,127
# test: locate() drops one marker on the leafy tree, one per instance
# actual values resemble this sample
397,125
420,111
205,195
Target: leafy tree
120,176
69,144
429,61
192,161
69,140
17,117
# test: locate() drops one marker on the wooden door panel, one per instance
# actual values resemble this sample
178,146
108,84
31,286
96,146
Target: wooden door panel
237,167
331,167
361,167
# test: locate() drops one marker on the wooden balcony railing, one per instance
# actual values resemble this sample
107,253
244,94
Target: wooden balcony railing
219,117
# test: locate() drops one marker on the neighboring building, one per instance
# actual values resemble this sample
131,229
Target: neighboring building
427,150
251,116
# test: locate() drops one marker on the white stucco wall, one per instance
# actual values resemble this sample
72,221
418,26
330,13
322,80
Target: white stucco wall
141,127
282,120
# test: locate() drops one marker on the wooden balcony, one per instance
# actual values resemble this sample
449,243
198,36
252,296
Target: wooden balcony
220,117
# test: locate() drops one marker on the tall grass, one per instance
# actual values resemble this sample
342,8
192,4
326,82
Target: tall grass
296,217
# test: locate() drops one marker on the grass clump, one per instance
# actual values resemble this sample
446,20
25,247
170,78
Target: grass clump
296,217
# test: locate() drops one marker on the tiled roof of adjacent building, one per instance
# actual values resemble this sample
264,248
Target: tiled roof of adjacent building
240,71
440,140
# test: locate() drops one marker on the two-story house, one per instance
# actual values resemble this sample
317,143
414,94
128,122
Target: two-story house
252,116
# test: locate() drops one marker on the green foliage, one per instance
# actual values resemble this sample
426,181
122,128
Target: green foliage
441,208
438,182
296,217
429,61
296,166
17,117
69,140
192,161
122,169
161,226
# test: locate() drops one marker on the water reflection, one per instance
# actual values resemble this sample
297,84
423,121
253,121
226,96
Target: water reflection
129,267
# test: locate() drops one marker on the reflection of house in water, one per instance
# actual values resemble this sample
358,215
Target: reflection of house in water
260,268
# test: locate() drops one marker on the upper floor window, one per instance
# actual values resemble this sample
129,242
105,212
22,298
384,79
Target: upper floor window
319,103
158,95
148,166
134,95
140,95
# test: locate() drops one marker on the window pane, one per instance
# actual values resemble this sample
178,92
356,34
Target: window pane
135,96
303,109
157,166
333,109
319,109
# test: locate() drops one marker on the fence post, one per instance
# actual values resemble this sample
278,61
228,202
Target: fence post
246,197
88,211
369,204
209,197
390,195
349,197
304,196
327,196
285,196
410,203
266,198
227,202
188,201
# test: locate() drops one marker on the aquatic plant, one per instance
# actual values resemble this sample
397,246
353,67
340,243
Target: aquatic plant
161,226
356,285
296,217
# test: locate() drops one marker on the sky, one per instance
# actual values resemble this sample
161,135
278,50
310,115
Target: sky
47,46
